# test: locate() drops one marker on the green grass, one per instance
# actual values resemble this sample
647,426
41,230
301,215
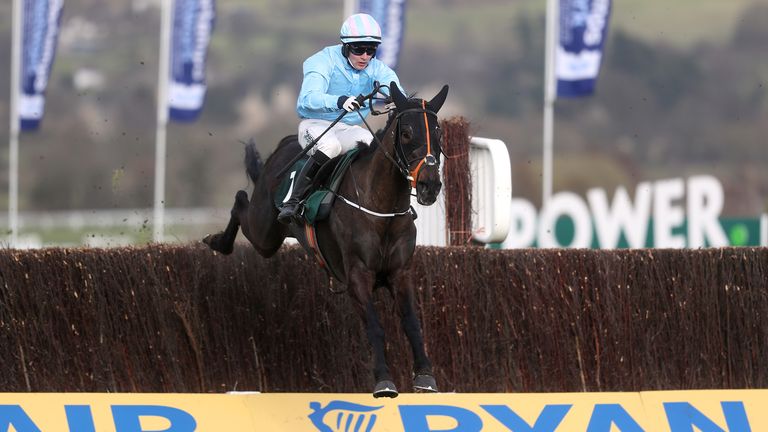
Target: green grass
681,23
116,236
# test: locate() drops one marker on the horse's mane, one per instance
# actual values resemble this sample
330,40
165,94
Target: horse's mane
367,150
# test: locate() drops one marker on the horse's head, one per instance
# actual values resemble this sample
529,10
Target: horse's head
418,141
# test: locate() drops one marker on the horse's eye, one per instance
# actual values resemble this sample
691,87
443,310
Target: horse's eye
407,133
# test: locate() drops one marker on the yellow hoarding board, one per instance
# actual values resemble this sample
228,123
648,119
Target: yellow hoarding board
707,411
673,411
444,412
123,412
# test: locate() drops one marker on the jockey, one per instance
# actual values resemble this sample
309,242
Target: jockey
333,77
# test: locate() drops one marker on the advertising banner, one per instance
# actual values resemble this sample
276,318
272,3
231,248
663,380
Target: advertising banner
666,213
457,412
126,412
583,29
40,31
390,14
192,27
706,411
662,411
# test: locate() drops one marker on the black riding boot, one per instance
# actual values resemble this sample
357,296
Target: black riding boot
301,185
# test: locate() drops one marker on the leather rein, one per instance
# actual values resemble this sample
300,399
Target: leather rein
401,161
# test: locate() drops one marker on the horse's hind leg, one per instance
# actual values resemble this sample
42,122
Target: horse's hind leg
260,226
224,241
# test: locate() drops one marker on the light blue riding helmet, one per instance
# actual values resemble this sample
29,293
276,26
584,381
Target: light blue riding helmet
360,28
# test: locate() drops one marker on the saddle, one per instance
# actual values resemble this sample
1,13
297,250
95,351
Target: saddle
316,206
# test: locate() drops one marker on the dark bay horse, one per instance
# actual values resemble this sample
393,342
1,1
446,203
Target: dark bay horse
369,237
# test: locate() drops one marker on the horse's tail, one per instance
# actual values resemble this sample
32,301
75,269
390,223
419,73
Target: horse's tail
253,162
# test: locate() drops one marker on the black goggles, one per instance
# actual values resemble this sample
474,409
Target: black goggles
363,49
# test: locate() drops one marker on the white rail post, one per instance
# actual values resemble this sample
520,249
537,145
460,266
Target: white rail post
158,225
550,93
13,145
491,189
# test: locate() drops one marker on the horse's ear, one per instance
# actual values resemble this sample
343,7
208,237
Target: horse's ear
437,102
397,96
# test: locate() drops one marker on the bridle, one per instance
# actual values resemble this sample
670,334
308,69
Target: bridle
400,160
430,159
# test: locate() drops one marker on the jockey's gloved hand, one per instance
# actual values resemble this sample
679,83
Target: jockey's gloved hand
348,103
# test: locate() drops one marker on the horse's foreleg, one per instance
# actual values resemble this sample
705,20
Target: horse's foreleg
360,284
422,368
224,241
373,329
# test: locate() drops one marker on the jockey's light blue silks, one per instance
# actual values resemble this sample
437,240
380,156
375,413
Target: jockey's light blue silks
328,75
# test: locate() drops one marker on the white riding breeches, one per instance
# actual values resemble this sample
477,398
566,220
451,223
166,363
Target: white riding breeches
340,139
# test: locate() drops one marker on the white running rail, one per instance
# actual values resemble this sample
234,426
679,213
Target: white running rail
491,198
491,202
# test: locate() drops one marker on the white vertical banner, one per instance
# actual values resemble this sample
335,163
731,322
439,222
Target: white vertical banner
40,31
35,29
192,27
390,14
575,37
185,33
583,29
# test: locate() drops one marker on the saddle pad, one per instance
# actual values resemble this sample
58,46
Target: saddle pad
281,194
318,205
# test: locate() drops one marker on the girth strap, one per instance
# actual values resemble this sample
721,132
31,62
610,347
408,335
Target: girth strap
310,232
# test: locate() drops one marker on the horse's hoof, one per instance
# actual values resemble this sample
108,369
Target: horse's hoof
212,240
424,383
385,388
